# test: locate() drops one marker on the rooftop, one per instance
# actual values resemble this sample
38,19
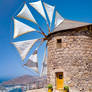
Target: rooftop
69,24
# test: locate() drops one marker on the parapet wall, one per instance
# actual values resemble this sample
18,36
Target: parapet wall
38,90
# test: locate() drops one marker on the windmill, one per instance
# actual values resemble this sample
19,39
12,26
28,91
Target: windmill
20,28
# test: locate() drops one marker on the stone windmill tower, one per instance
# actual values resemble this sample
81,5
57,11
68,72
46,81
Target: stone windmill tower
69,47
70,56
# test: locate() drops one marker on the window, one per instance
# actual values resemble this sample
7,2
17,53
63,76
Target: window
60,76
59,43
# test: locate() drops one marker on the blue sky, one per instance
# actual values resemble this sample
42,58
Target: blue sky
10,61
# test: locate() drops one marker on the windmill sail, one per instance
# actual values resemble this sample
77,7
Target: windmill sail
39,8
26,14
44,66
33,61
58,19
50,11
24,47
21,28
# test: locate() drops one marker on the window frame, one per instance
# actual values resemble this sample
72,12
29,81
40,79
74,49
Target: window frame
59,43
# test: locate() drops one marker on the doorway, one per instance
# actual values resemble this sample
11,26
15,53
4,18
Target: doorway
59,80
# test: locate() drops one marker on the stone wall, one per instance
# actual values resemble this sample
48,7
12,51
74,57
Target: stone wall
74,59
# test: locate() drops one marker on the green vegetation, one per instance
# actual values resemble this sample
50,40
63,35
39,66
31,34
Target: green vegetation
50,86
66,88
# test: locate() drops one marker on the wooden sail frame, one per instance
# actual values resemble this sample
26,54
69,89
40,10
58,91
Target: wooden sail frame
41,31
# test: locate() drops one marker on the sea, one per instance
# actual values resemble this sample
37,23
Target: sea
2,80
16,90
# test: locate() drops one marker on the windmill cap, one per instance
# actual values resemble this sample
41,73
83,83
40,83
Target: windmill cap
69,24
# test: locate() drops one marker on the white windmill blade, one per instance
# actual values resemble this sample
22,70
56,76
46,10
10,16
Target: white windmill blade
39,8
26,14
58,19
24,47
33,62
44,65
44,69
21,28
50,11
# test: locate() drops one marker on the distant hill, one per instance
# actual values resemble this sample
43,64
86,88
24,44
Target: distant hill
26,79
